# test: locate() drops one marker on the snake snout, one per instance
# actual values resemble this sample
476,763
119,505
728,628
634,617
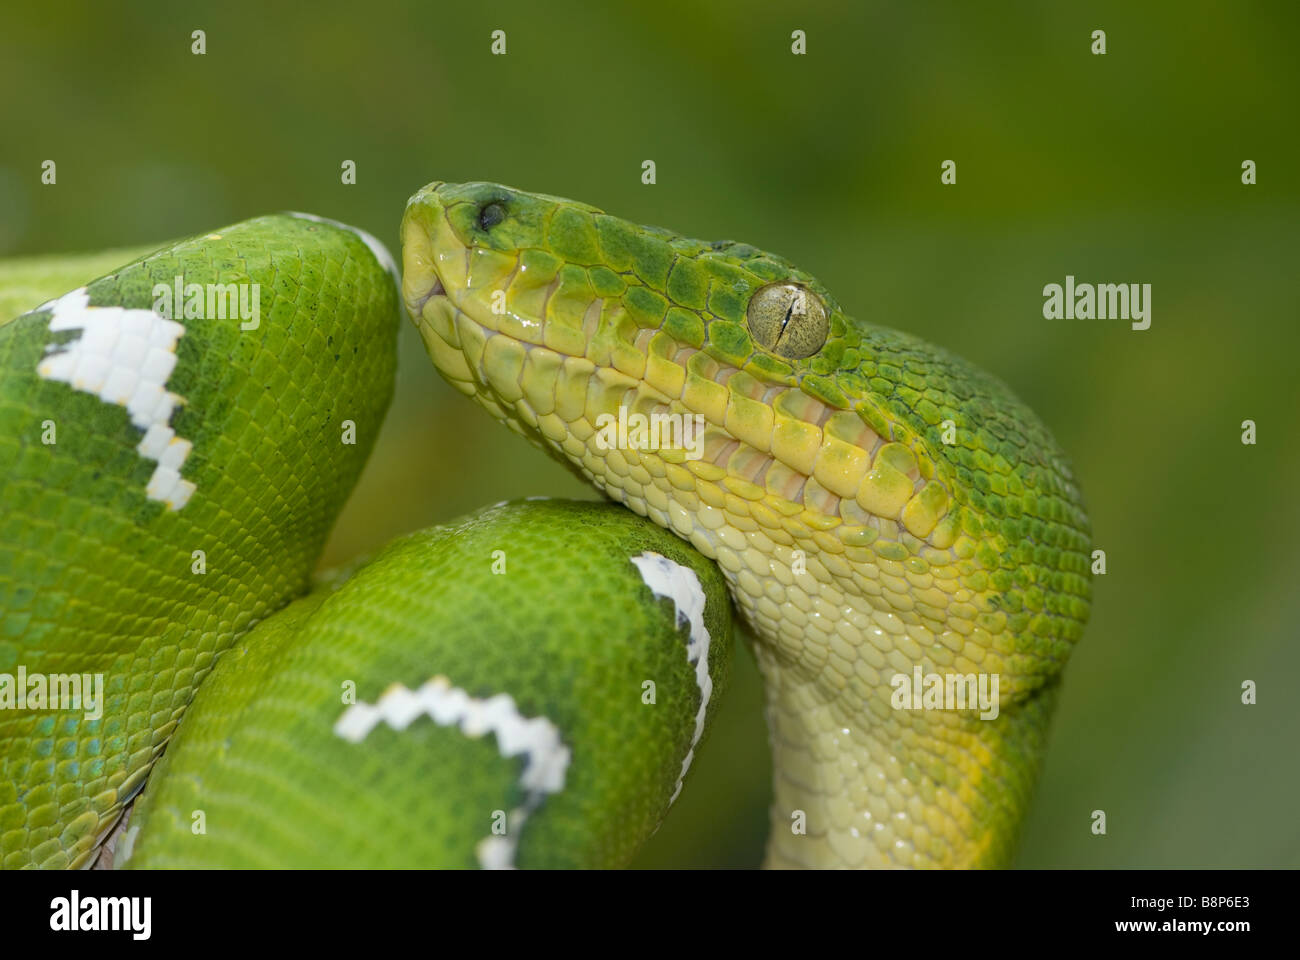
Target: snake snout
421,279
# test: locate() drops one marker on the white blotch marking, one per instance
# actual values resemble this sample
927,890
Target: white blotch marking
680,585
125,356
376,246
536,738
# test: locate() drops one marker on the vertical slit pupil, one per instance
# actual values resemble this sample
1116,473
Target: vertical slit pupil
785,321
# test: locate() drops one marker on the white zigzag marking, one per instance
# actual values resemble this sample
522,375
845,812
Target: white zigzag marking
125,356
536,738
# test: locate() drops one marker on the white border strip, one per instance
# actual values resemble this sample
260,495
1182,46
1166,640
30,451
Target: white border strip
680,585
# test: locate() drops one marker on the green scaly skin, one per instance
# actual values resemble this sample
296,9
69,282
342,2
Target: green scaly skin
876,504
535,600
95,577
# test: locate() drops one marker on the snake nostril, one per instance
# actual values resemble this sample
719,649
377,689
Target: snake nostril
490,215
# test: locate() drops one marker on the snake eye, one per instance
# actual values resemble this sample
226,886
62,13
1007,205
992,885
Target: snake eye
788,319
491,214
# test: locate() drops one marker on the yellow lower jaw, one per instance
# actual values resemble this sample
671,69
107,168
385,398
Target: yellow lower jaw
437,328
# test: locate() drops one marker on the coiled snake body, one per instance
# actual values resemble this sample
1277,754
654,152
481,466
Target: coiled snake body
528,686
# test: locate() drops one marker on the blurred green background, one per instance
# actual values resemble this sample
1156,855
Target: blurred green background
1117,168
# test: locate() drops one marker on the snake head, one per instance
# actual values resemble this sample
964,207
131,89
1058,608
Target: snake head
917,496
553,314
566,276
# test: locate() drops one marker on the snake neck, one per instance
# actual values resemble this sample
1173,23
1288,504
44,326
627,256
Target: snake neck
860,783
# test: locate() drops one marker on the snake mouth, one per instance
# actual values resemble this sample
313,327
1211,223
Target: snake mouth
416,306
